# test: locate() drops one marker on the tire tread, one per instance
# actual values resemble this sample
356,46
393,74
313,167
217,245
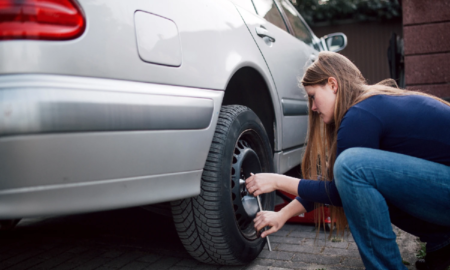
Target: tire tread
196,218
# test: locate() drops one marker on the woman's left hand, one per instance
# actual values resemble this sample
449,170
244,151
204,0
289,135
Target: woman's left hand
261,183
275,220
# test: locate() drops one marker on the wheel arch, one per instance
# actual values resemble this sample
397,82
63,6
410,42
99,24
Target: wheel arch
248,87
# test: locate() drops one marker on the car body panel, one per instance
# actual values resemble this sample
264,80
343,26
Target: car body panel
41,157
97,196
214,45
286,51
93,124
29,107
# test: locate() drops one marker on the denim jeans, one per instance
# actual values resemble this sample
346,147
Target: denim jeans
378,188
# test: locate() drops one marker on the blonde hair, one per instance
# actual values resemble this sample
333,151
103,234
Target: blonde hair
320,154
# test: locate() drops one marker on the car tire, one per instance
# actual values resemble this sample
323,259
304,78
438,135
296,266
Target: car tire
216,226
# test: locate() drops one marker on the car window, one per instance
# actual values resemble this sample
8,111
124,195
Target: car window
301,31
269,11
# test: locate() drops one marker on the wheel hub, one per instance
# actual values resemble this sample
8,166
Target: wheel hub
245,161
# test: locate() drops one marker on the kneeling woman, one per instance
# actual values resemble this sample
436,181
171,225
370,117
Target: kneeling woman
381,153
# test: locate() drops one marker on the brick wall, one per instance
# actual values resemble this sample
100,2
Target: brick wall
426,32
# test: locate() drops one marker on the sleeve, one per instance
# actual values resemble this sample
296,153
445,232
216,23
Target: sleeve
359,128
309,205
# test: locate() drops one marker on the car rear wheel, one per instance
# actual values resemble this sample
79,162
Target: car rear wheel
217,225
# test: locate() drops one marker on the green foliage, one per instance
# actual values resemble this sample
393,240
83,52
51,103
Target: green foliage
336,239
422,251
321,11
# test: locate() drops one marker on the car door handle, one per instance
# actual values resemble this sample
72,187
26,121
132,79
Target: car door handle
262,32
312,58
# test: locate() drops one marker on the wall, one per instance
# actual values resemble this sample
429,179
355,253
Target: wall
367,45
426,28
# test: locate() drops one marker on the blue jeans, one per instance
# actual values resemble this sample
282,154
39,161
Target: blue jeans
378,188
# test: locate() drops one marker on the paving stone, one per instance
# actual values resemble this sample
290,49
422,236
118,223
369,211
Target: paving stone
89,265
354,253
26,264
21,257
316,258
258,267
295,246
290,265
273,245
304,228
292,227
335,243
176,267
339,268
281,233
92,257
188,262
164,263
11,254
286,240
52,263
135,266
318,267
352,246
354,262
337,251
232,268
122,260
276,255
150,258
112,253
261,261
204,267
299,248
312,235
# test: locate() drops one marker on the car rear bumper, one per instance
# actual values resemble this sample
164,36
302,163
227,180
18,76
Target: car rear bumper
73,144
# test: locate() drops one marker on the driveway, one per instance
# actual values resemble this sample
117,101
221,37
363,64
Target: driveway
137,239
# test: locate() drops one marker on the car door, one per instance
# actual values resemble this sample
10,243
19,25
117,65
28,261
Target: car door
287,51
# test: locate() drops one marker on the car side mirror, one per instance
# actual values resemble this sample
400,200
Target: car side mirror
335,42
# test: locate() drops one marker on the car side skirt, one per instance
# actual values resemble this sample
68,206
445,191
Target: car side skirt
93,196
288,159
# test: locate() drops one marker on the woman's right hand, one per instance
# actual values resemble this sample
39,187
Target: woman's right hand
275,220
261,183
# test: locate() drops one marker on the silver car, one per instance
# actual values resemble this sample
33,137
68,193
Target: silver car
107,104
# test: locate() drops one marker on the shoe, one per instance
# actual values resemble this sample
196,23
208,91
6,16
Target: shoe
436,260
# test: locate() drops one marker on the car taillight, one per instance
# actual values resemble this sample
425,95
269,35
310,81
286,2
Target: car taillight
40,19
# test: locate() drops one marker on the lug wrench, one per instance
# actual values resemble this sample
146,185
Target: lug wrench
242,182
260,209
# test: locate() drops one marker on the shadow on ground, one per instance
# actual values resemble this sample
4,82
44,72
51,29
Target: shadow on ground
92,241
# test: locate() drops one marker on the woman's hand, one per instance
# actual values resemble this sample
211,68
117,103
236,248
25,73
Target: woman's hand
275,220
261,183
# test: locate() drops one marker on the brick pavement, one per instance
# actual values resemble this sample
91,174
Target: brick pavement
135,239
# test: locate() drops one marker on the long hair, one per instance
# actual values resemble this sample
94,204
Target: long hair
320,154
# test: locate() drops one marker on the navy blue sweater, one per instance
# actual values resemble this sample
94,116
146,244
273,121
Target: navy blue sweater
412,125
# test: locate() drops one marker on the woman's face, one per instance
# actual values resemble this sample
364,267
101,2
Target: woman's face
323,99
